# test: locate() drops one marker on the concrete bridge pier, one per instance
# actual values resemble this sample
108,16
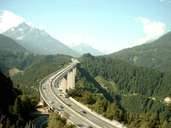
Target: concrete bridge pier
67,81
63,84
73,80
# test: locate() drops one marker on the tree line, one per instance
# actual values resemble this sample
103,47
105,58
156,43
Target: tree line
137,100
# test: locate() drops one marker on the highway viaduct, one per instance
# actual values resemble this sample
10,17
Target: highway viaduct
53,89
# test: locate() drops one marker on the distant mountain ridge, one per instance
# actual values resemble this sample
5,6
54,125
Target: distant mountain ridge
156,54
8,44
38,41
84,48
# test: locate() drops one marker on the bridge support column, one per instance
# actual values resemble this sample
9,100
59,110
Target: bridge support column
63,84
69,79
74,75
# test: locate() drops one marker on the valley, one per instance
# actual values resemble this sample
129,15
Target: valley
111,87
85,64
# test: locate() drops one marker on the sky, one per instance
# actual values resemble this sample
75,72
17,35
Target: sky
107,25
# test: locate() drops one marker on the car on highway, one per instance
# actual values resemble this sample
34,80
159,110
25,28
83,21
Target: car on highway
51,102
66,96
80,125
83,111
83,126
60,94
89,127
61,107
60,90
57,110
68,104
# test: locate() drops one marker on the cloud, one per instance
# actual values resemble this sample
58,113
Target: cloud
152,29
8,20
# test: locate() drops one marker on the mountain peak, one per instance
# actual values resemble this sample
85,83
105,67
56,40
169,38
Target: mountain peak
24,26
19,31
37,41
21,27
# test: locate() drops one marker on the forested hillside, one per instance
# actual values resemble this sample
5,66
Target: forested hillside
12,55
156,54
129,78
20,95
30,68
8,44
29,79
15,106
137,93
9,60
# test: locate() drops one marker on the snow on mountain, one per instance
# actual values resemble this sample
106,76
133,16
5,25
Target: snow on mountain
38,41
